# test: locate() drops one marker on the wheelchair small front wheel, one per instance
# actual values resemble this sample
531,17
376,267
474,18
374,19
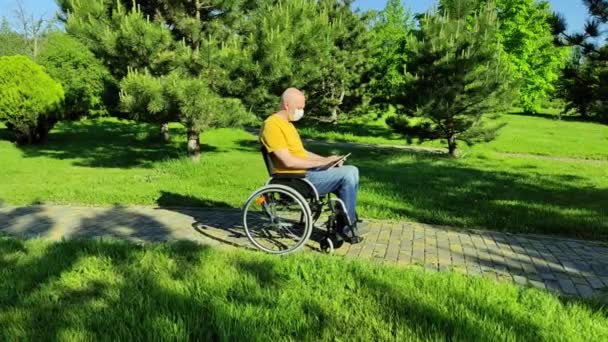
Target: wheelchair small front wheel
277,220
327,245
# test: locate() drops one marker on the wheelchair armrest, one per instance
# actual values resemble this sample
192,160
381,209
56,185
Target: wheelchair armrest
289,176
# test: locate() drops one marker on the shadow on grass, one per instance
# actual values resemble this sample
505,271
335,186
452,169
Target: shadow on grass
564,117
176,201
4,133
439,190
110,144
118,291
438,324
249,145
350,128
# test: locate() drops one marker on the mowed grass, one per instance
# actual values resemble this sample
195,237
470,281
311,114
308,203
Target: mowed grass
542,134
114,291
117,162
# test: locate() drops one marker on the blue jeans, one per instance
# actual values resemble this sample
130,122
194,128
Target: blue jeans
342,181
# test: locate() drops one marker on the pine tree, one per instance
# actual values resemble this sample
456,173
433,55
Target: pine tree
188,98
288,44
390,32
584,83
339,89
455,75
526,38
317,46
153,41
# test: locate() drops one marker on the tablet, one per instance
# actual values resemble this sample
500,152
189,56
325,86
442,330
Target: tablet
337,162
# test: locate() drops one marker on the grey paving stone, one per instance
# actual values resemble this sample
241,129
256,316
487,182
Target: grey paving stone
596,283
585,291
568,266
520,280
538,284
567,286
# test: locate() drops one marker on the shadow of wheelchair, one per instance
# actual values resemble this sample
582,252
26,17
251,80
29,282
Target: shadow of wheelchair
232,233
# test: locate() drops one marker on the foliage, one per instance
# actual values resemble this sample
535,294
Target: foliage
11,43
178,97
389,33
534,60
584,83
84,79
503,185
456,75
527,41
120,38
29,99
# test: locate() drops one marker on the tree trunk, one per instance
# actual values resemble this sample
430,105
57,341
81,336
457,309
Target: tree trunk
452,146
334,116
334,112
35,47
164,133
194,144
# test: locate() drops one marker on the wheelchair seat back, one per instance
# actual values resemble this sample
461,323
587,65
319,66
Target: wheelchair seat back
295,181
267,160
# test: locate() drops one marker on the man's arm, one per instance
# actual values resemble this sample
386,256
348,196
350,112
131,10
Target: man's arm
291,162
312,156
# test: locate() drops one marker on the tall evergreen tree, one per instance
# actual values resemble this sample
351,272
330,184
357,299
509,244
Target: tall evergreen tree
456,75
584,84
317,46
527,40
390,32
160,39
340,88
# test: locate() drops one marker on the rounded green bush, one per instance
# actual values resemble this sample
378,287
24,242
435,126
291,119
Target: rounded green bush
83,77
29,99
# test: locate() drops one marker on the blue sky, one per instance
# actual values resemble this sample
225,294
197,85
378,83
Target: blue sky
574,10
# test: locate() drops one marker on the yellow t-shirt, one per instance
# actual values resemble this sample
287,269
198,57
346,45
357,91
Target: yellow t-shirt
279,134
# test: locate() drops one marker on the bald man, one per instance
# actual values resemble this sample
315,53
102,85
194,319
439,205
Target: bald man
281,138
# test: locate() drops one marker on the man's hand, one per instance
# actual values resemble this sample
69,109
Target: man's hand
332,159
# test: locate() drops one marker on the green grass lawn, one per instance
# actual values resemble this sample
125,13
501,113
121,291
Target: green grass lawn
114,291
112,162
541,134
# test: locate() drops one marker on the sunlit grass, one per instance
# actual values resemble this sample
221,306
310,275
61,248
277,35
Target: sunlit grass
112,162
114,291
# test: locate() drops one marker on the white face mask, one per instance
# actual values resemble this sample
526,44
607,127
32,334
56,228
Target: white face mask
297,115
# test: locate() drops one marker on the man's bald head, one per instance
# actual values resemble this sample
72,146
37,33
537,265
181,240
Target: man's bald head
293,102
292,98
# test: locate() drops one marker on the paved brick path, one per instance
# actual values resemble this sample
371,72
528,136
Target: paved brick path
567,266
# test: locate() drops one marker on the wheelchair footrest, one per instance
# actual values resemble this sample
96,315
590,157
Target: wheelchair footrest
350,236
356,240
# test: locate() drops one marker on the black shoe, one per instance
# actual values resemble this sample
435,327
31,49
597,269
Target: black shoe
351,236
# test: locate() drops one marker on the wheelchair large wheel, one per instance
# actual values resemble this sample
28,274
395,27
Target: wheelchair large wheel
277,220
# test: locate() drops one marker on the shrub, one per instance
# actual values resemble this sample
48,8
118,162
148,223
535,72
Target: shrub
30,99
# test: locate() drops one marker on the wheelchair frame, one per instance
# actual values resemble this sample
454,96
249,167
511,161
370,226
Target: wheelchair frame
304,192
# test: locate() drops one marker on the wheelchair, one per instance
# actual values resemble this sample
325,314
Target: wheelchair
280,217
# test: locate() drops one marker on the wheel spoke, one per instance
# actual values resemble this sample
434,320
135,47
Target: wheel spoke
277,221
